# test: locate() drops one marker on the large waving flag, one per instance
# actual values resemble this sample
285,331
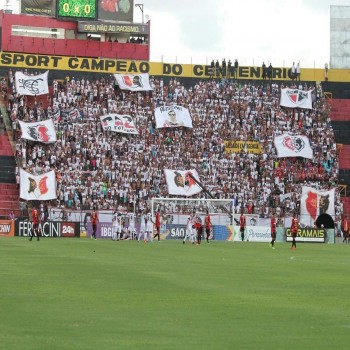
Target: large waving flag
293,146
314,203
295,98
133,82
39,131
119,123
37,187
32,85
172,116
180,183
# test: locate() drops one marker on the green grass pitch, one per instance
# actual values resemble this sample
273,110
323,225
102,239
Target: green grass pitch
86,294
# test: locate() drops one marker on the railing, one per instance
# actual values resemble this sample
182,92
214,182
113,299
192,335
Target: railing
328,96
339,148
342,190
7,123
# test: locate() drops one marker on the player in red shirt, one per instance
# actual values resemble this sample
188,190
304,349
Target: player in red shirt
207,222
157,224
199,227
242,224
294,229
94,220
345,229
273,231
35,219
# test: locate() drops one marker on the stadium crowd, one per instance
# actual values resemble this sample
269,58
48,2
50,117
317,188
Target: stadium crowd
108,170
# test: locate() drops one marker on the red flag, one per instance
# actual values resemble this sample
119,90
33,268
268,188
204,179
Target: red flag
311,204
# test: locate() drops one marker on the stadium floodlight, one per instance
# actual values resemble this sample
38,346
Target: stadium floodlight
140,6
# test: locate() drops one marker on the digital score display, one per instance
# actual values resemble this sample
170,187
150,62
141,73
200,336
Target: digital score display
77,9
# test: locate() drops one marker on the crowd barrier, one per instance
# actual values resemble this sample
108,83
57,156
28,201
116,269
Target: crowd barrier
24,228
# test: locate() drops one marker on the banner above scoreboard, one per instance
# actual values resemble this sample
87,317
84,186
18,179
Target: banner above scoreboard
38,7
116,10
105,27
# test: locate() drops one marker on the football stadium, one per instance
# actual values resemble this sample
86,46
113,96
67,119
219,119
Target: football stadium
156,205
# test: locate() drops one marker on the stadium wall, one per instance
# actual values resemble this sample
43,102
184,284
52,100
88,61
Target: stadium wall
84,65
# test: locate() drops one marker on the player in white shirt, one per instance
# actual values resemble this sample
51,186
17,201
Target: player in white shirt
117,226
143,227
149,227
190,231
131,227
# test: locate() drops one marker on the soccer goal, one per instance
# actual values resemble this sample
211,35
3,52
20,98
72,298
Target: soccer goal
177,210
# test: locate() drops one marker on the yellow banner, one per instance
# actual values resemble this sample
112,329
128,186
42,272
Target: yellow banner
245,146
110,66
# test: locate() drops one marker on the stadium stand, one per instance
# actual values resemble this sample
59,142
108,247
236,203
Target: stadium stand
340,116
106,170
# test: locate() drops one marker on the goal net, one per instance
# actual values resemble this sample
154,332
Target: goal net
175,213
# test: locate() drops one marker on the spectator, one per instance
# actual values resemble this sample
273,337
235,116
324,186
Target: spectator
297,70
236,69
229,68
217,68
223,65
264,71
269,72
293,71
12,216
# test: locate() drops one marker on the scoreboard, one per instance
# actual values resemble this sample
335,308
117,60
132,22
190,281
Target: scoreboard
77,9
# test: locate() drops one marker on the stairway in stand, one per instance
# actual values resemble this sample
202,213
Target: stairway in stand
340,117
340,110
344,159
9,193
346,206
9,200
5,145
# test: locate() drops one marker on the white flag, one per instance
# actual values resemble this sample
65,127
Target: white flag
293,146
172,116
295,98
39,131
43,131
180,182
37,187
314,203
133,82
119,123
32,85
